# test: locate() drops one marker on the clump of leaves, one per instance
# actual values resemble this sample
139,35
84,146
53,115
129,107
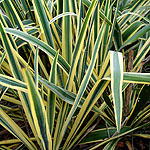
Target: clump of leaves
71,73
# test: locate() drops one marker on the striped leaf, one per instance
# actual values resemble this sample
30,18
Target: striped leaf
133,77
51,100
12,83
79,45
67,33
111,145
120,135
137,35
91,99
61,16
16,70
36,67
116,66
146,136
43,46
101,134
84,81
12,127
43,21
38,112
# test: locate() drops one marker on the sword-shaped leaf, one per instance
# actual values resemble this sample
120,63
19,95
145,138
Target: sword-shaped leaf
16,70
38,112
42,45
51,100
133,77
116,65
121,135
12,127
43,21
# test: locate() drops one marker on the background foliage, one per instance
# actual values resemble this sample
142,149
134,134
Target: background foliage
74,74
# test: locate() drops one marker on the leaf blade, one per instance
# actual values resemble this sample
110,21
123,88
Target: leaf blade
116,65
38,112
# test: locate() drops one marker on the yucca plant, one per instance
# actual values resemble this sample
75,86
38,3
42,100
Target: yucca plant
73,73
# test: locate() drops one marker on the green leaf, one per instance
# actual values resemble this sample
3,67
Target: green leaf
43,46
16,70
91,99
12,127
141,54
116,65
111,145
65,95
36,67
146,136
139,78
100,135
85,79
43,21
131,29
62,15
79,45
136,36
51,100
12,83
131,13
38,112
102,16
120,135
133,77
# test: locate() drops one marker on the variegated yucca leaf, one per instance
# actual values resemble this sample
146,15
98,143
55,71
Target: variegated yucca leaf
116,67
43,21
133,77
12,127
120,135
38,112
74,73
51,100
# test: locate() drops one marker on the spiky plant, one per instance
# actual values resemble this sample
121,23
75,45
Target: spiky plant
72,73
